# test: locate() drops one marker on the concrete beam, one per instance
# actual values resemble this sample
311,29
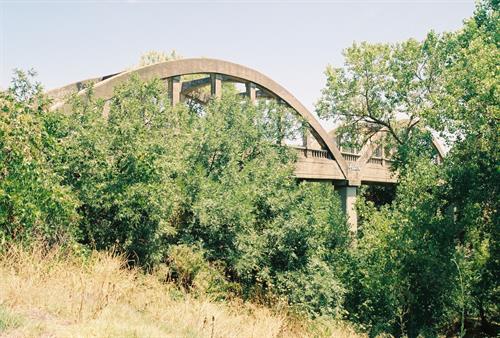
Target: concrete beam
262,93
189,86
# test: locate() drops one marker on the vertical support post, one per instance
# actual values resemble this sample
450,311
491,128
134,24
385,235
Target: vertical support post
216,85
348,200
174,89
307,139
382,151
251,91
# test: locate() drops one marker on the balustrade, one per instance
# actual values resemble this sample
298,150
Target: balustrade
375,160
314,153
350,157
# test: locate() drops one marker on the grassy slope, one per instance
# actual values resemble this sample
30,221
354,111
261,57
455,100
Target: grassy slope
61,295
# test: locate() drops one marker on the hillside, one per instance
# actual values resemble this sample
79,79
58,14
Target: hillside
67,295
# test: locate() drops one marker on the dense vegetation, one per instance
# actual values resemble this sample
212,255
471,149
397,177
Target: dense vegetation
429,261
209,193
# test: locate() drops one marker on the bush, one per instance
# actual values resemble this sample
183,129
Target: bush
190,270
313,289
34,204
208,192
152,177
247,210
123,169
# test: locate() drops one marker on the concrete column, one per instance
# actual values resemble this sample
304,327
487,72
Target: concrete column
348,200
251,91
174,90
216,85
382,153
307,139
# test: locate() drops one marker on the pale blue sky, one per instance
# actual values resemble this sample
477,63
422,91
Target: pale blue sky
290,41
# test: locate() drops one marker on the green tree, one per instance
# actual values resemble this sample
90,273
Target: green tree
404,278
385,88
403,282
34,204
380,84
124,167
152,178
247,211
469,112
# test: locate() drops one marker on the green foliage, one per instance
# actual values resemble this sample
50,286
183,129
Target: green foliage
418,147
188,267
469,106
208,193
156,181
34,204
124,168
380,85
246,208
313,289
429,260
468,99
151,57
403,261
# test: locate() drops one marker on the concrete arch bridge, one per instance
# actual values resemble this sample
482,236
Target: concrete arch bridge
319,156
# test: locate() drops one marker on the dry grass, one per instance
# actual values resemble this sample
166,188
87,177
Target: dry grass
57,294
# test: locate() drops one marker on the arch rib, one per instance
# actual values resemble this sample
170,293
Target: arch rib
168,69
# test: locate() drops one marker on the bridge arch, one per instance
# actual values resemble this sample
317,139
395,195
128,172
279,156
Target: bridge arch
172,69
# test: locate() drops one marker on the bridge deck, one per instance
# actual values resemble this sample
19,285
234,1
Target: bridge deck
316,164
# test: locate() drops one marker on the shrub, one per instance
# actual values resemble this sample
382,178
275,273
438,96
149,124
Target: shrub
33,201
152,177
188,267
123,169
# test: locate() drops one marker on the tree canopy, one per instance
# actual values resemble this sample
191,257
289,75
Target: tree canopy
426,262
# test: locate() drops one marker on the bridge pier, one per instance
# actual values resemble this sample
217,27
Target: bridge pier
348,200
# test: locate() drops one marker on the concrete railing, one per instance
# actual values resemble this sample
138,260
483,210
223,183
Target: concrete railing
313,153
350,157
320,154
376,160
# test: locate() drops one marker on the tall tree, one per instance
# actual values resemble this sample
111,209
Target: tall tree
429,260
379,86
386,89
468,109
